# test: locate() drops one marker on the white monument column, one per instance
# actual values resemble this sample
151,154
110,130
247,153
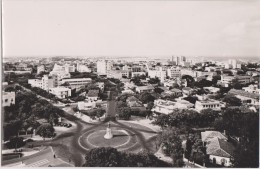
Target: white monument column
108,134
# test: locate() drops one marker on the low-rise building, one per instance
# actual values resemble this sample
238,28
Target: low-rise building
142,89
252,89
86,105
208,104
187,90
167,107
76,83
61,92
8,98
245,97
212,90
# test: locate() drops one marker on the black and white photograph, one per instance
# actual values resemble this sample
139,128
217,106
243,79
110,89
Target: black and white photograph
130,83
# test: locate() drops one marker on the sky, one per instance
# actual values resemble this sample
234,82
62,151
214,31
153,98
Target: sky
131,28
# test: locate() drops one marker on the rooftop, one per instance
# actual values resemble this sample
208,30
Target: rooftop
244,93
220,147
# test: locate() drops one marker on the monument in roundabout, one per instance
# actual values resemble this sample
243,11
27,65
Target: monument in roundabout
108,134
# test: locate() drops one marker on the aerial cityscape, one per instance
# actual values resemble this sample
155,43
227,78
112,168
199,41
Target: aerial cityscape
130,84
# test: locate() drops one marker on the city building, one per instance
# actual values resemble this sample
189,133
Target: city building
245,97
86,105
167,107
8,98
65,68
252,89
103,66
227,80
82,68
187,90
45,83
211,90
174,72
142,89
40,69
157,72
118,74
208,104
77,82
61,92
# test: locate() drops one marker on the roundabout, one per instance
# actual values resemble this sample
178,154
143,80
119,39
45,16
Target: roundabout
97,139
123,139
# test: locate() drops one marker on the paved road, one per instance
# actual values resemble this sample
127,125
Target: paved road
111,105
77,152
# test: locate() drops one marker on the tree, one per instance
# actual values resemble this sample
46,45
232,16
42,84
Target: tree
172,146
110,157
236,84
150,105
246,155
232,100
162,120
191,99
45,130
103,157
154,80
124,113
146,97
100,113
158,90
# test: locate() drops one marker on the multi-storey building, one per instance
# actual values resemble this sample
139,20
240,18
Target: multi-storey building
118,74
40,69
45,83
61,92
174,72
82,68
103,66
8,98
76,83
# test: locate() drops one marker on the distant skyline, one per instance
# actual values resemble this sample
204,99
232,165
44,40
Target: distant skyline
130,28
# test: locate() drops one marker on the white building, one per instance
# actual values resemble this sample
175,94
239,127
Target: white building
208,104
86,105
252,89
8,98
158,72
246,97
103,66
82,68
118,74
61,92
45,83
167,107
67,68
77,82
218,148
141,89
212,90
40,69
174,72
